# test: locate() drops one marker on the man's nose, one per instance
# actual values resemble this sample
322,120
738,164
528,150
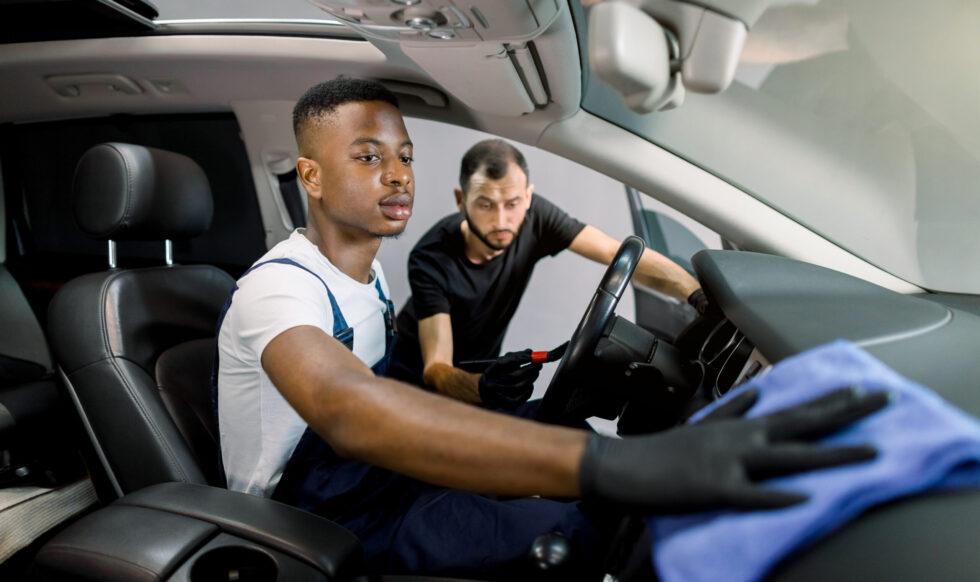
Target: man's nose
397,174
502,217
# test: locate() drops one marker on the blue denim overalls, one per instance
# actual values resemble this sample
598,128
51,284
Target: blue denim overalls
406,526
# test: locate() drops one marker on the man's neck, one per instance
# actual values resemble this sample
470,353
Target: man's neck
475,249
353,255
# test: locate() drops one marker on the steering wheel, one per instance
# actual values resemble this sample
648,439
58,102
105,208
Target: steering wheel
564,401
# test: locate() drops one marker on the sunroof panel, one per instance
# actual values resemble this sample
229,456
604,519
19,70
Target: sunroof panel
239,9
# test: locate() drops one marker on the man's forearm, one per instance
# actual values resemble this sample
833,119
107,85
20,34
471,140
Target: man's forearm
654,270
448,443
414,432
658,272
453,382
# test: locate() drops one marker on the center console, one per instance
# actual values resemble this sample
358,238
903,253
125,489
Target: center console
182,532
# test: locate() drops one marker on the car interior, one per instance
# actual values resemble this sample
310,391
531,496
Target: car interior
147,159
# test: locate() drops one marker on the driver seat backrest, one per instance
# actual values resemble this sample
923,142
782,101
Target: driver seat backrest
135,346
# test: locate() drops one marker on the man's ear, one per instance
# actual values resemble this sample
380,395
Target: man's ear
460,199
309,174
530,191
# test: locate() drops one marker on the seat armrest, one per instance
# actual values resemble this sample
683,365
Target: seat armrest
317,541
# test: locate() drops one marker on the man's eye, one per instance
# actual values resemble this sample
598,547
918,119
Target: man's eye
483,206
368,158
512,204
407,160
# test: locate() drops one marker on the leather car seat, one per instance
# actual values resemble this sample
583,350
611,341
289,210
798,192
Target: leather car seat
135,345
135,349
35,428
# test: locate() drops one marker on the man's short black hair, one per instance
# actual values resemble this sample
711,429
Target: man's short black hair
492,156
321,100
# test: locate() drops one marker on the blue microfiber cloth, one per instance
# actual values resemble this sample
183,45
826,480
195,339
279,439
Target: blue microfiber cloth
923,443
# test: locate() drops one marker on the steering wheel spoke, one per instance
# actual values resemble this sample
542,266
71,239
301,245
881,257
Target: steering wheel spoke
572,390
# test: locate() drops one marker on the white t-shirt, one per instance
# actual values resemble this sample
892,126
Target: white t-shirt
258,428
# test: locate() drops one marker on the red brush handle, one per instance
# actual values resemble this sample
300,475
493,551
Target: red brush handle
539,357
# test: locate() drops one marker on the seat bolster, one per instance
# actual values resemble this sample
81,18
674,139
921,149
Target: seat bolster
134,314
183,375
75,320
123,410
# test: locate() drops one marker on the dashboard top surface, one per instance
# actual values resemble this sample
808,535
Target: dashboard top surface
786,306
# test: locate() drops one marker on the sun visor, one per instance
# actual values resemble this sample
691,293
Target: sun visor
495,65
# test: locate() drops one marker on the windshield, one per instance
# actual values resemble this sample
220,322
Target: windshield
858,119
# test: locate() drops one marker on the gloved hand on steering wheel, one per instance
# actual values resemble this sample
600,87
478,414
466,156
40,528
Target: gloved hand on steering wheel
699,301
508,382
718,461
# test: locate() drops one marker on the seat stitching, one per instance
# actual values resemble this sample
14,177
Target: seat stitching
168,450
130,180
130,392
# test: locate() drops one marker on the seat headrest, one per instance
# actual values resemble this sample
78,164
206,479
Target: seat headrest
130,192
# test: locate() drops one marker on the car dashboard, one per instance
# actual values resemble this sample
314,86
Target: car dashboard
783,307
774,308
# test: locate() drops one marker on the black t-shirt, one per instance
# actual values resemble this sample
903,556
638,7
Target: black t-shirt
480,299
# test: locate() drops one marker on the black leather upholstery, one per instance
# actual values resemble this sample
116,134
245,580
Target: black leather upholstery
108,330
148,534
330,547
124,544
180,372
24,361
134,314
24,354
130,192
31,408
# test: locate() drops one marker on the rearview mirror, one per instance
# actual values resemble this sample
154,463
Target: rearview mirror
630,51
652,51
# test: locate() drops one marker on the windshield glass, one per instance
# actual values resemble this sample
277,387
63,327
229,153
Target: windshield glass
858,119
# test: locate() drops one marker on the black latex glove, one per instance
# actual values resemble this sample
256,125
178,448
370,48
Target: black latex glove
717,461
558,353
699,301
508,382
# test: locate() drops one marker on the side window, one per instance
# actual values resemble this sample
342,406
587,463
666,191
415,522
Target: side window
668,232
45,248
678,238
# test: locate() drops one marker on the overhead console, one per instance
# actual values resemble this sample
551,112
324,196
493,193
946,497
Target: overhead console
495,34
444,22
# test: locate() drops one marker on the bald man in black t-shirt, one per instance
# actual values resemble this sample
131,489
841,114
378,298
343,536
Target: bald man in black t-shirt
469,271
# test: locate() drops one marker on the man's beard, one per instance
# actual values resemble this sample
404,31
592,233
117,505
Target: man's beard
483,237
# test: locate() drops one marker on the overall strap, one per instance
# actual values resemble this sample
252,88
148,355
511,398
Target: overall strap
391,328
341,330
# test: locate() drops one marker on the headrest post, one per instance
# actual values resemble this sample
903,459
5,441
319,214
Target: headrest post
112,254
168,252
